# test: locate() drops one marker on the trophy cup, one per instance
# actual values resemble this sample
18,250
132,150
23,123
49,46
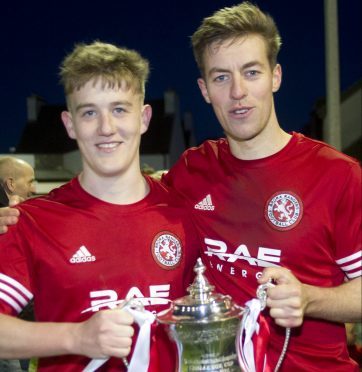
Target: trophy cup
203,326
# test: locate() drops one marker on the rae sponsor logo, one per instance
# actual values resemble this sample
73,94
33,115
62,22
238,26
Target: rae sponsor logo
108,298
266,257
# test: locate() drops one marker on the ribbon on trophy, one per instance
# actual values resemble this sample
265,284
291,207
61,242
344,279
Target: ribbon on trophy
141,353
252,350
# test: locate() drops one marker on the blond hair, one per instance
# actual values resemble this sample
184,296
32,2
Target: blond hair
113,65
232,23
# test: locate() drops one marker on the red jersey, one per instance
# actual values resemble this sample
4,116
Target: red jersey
75,254
299,208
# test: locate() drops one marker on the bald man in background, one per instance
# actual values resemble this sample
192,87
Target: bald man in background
16,178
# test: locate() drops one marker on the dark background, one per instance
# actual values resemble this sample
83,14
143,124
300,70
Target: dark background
36,35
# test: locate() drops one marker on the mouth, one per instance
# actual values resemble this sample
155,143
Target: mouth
241,111
108,146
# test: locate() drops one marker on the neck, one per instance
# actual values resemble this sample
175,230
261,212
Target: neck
267,143
127,189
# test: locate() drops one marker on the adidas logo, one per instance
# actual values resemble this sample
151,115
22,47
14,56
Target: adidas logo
82,255
205,204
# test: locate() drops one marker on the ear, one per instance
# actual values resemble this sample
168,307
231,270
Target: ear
203,88
68,124
277,77
146,118
9,185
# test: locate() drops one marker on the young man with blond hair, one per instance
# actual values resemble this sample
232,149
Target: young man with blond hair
108,235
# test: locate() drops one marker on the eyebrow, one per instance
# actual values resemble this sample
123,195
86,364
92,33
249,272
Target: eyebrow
115,103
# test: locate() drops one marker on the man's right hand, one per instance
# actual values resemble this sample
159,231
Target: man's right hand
8,216
107,333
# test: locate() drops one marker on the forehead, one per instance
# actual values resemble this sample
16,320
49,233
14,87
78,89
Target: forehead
244,49
97,91
27,172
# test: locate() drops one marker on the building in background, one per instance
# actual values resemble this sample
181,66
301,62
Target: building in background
351,120
45,144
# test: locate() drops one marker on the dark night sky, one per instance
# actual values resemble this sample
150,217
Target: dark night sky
35,35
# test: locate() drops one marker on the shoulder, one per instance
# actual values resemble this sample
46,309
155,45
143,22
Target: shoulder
209,148
54,198
197,158
164,194
325,154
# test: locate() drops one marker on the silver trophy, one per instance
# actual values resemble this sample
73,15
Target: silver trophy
204,326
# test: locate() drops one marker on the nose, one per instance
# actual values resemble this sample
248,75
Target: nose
106,126
238,88
32,188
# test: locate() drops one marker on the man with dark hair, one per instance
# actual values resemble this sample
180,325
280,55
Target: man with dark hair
271,204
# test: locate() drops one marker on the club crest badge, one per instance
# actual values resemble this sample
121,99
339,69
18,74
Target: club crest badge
167,250
283,211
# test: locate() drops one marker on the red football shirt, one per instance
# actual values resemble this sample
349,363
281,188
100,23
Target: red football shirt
299,208
75,254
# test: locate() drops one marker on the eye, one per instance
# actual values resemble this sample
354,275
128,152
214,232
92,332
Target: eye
251,74
89,113
220,78
119,110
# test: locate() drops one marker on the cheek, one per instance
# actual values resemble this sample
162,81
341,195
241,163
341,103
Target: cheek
83,133
217,99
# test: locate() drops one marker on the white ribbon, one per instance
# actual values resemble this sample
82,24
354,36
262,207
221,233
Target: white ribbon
141,353
249,325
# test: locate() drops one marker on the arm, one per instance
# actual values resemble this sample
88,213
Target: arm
107,333
290,300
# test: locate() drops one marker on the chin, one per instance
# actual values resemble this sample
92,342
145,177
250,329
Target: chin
241,137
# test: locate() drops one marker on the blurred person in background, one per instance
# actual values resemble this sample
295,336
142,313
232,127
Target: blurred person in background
16,177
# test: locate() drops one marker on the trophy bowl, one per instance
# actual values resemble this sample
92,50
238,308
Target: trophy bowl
203,325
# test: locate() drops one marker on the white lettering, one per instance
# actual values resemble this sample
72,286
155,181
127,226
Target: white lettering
244,273
134,292
218,251
241,250
219,267
158,293
265,256
232,270
109,300
258,275
269,255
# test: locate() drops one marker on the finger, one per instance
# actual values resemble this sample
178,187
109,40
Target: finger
9,212
284,291
119,352
5,222
118,342
277,274
287,317
287,302
124,317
